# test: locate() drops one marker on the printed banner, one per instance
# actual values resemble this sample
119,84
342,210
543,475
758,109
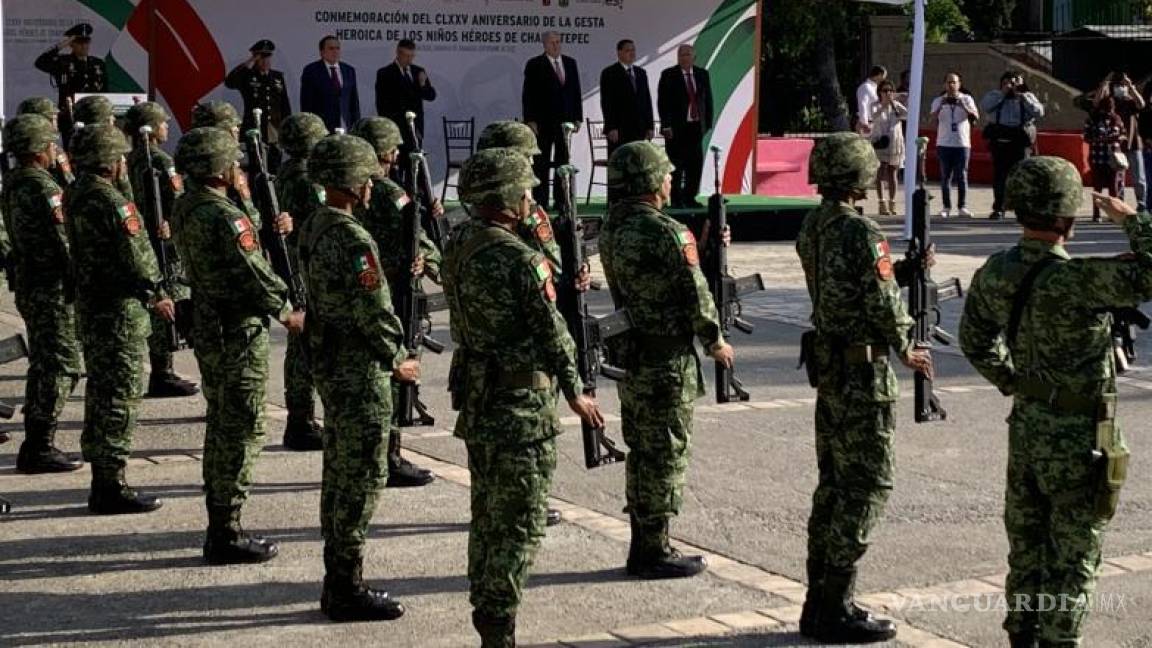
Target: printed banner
474,52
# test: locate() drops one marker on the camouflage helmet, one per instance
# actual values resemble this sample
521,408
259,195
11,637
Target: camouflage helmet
206,152
382,133
843,162
220,114
496,177
1044,186
299,133
38,106
98,146
93,109
148,113
638,168
343,161
28,133
509,134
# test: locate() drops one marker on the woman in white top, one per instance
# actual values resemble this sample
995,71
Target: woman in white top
888,139
954,112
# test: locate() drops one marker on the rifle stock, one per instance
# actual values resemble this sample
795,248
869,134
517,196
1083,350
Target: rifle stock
264,197
158,244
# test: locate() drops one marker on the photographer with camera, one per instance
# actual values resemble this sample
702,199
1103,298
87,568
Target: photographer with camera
1129,103
954,111
263,88
1011,111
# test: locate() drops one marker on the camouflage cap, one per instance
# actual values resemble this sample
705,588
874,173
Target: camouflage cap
1044,186
343,161
98,146
220,114
38,106
206,152
509,134
496,177
93,109
300,132
638,168
28,133
382,133
843,162
148,113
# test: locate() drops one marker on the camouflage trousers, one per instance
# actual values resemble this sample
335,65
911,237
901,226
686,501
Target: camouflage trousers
854,458
1054,534
233,360
112,334
510,484
357,414
298,379
656,409
53,354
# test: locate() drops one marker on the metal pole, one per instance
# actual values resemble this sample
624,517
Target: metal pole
915,92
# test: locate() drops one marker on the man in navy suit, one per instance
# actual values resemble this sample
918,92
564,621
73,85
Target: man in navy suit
328,87
625,100
403,87
551,96
684,98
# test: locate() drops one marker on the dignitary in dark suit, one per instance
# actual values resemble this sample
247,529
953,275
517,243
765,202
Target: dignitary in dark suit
551,96
262,87
403,87
625,100
328,88
684,98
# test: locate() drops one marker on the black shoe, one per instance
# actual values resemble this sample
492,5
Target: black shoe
404,474
840,621
36,461
303,433
119,499
554,517
1022,640
670,565
238,548
495,631
361,604
810,612
996,215
170,386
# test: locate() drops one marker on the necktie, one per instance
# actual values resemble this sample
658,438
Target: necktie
632,77
559,70
407,74
693,110
335,76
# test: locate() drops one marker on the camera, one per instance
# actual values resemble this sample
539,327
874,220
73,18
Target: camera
952,101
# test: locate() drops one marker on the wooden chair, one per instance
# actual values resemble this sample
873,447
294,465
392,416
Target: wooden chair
598,145
459,145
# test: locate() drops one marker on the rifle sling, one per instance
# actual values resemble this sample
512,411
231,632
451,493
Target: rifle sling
1022,297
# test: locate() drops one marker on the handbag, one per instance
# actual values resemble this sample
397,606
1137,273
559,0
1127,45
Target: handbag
1118,161
882,143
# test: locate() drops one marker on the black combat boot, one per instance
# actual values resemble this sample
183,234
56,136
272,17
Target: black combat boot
839,621
651,557
303,432
163,381
347,598
38,454
1022,640
554,517
227,543
401,472
112,496
810,613
1027,635
495,631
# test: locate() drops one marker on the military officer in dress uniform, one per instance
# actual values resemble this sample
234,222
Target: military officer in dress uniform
263,88
73,72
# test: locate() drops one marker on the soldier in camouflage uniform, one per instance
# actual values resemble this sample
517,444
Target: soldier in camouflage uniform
300,198
356,345
94,109
223,115
513,349
61,168
236,293
652,265
163,382
384,219
117,280
1037,324
40,275
859,319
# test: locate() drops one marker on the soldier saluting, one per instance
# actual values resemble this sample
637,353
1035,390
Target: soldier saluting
264,88
73,72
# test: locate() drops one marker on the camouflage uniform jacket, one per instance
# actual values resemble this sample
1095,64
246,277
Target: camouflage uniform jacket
856,299
384,220
224,261
537,231
1064,337
112,258
297,195
349,305
171,183
504,318
653,269
33,206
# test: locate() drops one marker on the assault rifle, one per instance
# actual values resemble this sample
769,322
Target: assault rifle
436,226
925,295
159,245
264,197
1125,321
11,349
727,290
589,333
412,304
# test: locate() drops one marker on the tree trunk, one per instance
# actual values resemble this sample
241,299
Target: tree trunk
827,82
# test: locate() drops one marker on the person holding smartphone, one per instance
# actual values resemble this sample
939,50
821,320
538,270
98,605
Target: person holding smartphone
1128,105
954,111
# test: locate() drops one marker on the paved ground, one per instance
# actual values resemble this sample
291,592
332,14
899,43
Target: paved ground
936,564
